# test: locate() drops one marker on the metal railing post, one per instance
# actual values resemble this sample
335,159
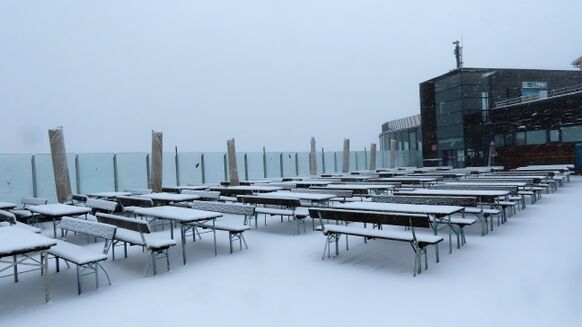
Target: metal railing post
322,160
202,169
115,173
148,170
246,161
77,175
177,167
356,154
264,163
224,161
366,166
281,163
34,181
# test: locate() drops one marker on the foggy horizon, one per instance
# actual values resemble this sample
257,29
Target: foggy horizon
268,73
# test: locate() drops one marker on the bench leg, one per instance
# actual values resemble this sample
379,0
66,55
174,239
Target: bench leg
230,241
78,281
15,267
106,274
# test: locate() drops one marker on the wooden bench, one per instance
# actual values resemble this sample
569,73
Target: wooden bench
104,206
204,195
470,205
235,232
137,232
341,195
419,242
9,219
130,203
79,199
504,204
288,207
26,216
456,224
86,260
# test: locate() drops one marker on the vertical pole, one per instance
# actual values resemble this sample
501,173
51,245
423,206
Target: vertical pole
34,182
357,167
322,160
115,173
202,168
246,160
264,163
281,163
365,158
177,162
225,168
335,161
77,175
296,164
148,170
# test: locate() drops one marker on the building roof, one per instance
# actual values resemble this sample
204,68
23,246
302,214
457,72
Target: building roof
402,123
488,70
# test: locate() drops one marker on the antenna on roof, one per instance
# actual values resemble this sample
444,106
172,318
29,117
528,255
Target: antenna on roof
459,53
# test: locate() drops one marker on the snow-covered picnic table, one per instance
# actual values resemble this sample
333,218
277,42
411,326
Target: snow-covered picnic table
453,192
170,197
56,211
15,242
108,195
308,183
179,189
439,211
314,197
485,183
183,217
7,205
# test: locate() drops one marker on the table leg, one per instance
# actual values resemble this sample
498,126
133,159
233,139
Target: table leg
15,267
54,227
183,240
44,263
214,234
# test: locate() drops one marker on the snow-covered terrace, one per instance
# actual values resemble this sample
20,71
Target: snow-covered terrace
526,273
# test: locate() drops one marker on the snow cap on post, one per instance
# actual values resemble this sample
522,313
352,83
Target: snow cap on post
313,159
373,156
156,175
60,167
346,156
232,168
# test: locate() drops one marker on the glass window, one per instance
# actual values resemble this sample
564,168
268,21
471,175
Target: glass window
519,138
508,139
555,135
572,134
412,137
536,137
499,140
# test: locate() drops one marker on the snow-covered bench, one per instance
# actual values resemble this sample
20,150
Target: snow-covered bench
137,232
341,195
235,232
26,216
419,242
104,206
288,207
86,260
131,203
457,223
9,219
204,195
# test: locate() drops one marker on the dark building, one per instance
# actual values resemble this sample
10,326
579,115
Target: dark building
465,109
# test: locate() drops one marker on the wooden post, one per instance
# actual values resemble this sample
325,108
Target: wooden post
346,156
157,161
60,167
373,157
232,168
312,159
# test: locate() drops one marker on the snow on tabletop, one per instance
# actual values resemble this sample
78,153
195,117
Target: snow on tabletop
7,205
59,209
399,207
177,213
425,191
13,239
486,183
359,186
299,195
108,194
162,196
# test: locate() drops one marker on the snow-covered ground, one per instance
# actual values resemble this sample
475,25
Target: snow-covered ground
527,272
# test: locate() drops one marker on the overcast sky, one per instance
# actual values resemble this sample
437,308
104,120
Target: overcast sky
269,73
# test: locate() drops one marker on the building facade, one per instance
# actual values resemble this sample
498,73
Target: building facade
465,109
405,131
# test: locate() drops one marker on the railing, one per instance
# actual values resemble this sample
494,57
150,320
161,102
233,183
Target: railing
25,175
534,97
